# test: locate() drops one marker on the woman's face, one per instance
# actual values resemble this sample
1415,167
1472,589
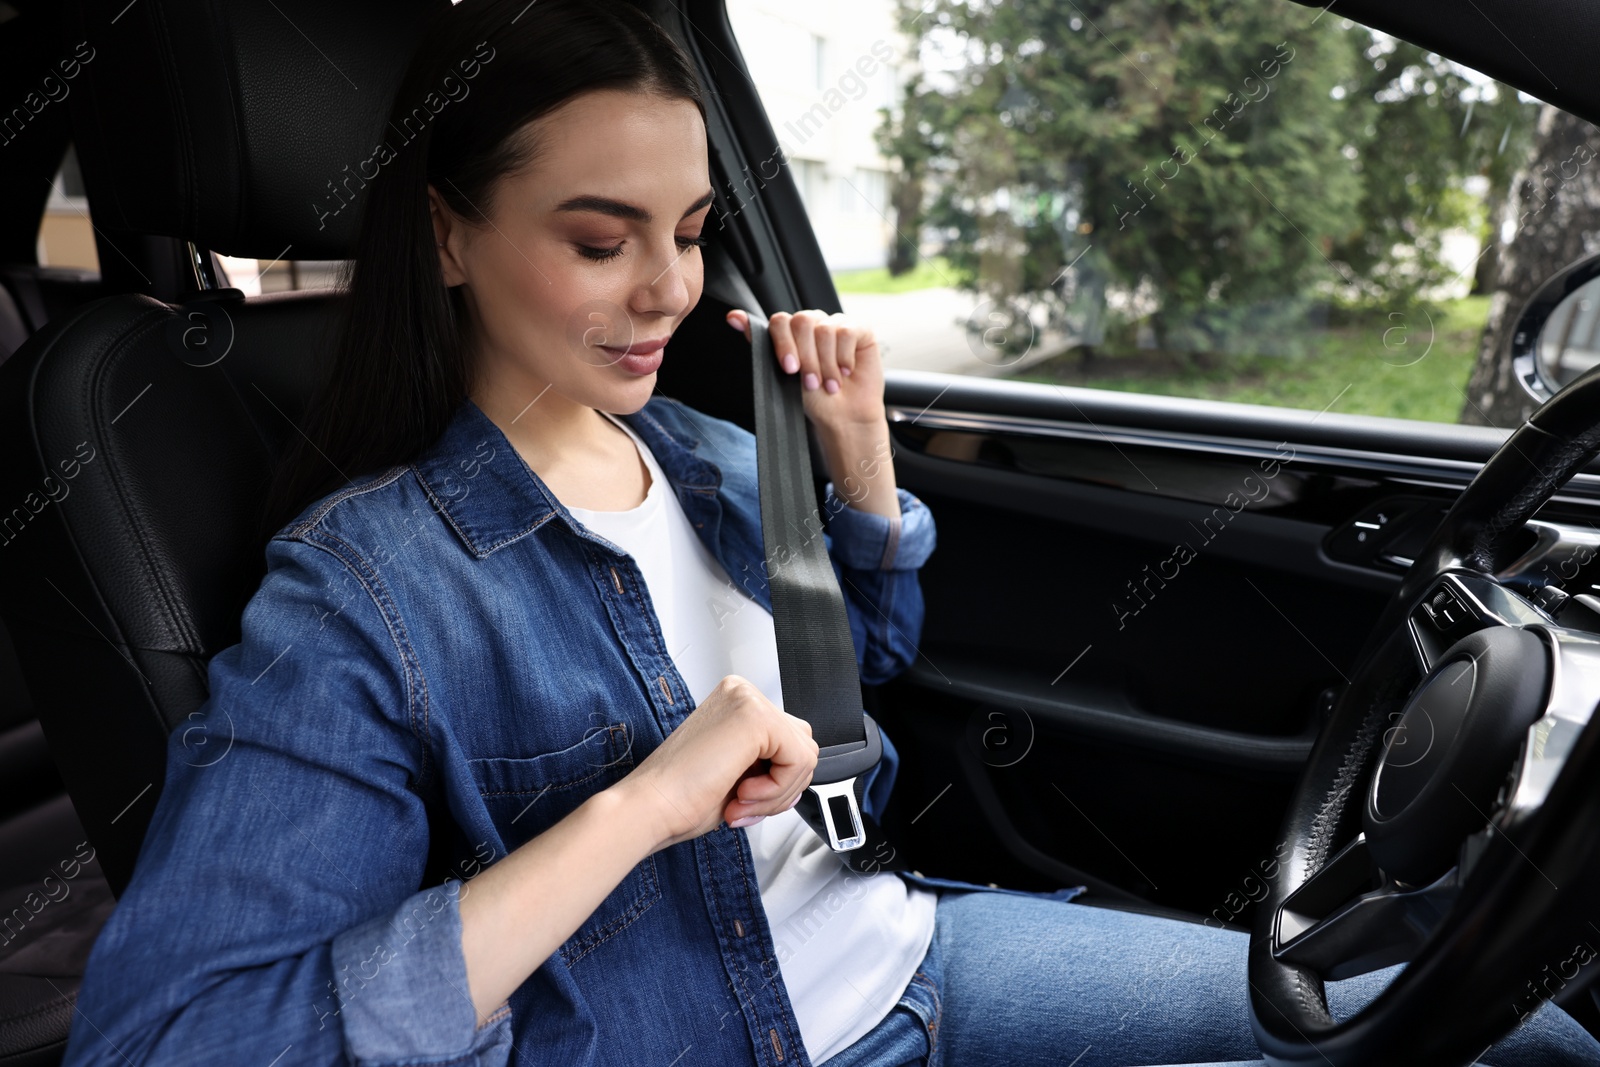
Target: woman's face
591,258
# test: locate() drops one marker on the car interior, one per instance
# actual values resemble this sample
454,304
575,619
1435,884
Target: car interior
1085,708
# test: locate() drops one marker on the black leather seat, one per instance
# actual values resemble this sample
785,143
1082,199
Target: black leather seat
128,502
13,328
31,295
47,921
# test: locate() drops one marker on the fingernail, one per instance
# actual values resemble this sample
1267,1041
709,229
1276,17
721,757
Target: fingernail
731,322
831,386
748,820
791,362
845,371
810,380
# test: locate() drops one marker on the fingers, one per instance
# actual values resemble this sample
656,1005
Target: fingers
787,769
785,754
844,354
821,348
777,787
783,341
826,342
796,760
739,813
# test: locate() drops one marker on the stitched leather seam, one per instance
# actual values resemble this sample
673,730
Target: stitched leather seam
1350,766
1333,804
53,1006
1516,511
179,619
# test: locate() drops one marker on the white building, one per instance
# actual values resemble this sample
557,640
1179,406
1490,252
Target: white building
823,70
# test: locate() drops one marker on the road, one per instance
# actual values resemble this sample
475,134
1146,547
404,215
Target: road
925,330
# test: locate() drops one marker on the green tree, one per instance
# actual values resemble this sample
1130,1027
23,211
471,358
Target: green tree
1222,168
910,134
1417,127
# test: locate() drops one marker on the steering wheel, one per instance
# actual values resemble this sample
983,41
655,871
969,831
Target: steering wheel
1449,815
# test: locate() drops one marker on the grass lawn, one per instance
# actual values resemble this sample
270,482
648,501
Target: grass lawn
927,274
1385,367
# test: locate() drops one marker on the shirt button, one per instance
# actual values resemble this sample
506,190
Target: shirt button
738,928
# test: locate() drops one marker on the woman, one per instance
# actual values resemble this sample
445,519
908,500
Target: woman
514,646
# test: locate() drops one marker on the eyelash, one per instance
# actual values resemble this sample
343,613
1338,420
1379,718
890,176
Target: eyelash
600,255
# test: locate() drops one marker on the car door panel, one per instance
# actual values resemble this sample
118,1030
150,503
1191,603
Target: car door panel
1087,701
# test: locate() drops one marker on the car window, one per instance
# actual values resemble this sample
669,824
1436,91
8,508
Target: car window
67,239
255,276
66,234
1236,199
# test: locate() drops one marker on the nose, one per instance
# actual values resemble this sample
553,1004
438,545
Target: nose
664,286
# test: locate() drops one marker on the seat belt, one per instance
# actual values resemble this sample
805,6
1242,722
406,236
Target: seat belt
816,656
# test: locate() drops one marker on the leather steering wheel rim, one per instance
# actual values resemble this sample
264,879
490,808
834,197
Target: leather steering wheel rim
1523,906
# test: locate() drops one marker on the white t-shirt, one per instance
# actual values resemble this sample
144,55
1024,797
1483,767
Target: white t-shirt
847,943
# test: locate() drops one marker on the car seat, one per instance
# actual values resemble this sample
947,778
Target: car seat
128,507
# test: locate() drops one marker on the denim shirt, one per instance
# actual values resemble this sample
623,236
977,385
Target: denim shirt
441,653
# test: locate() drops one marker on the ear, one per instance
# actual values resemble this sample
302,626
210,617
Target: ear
446,238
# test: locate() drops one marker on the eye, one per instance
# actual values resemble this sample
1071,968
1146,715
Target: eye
692,242
599,254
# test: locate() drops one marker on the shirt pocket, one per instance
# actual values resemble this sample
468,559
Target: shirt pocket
526,796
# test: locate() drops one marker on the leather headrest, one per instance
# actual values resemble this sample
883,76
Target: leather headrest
236,124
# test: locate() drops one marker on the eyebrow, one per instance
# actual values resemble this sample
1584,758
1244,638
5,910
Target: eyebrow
623,210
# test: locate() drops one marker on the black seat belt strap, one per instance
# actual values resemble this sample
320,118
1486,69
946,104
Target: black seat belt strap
816,657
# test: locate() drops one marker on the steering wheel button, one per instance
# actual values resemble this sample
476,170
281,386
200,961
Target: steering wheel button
1442,609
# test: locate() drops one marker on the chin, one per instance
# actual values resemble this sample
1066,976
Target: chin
635,396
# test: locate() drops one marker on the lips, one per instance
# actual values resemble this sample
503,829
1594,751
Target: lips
639,348
640,358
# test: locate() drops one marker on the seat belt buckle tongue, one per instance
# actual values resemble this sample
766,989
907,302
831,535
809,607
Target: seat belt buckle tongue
834,783
845,791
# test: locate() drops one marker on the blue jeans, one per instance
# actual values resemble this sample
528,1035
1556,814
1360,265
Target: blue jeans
1012,981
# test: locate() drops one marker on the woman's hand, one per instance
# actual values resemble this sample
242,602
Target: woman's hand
841,374
851,423
737,758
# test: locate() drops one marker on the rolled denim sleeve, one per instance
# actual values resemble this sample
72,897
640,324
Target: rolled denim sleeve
412,1005
276,907
876,560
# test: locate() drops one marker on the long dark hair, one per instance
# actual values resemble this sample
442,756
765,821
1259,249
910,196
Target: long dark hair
483,70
